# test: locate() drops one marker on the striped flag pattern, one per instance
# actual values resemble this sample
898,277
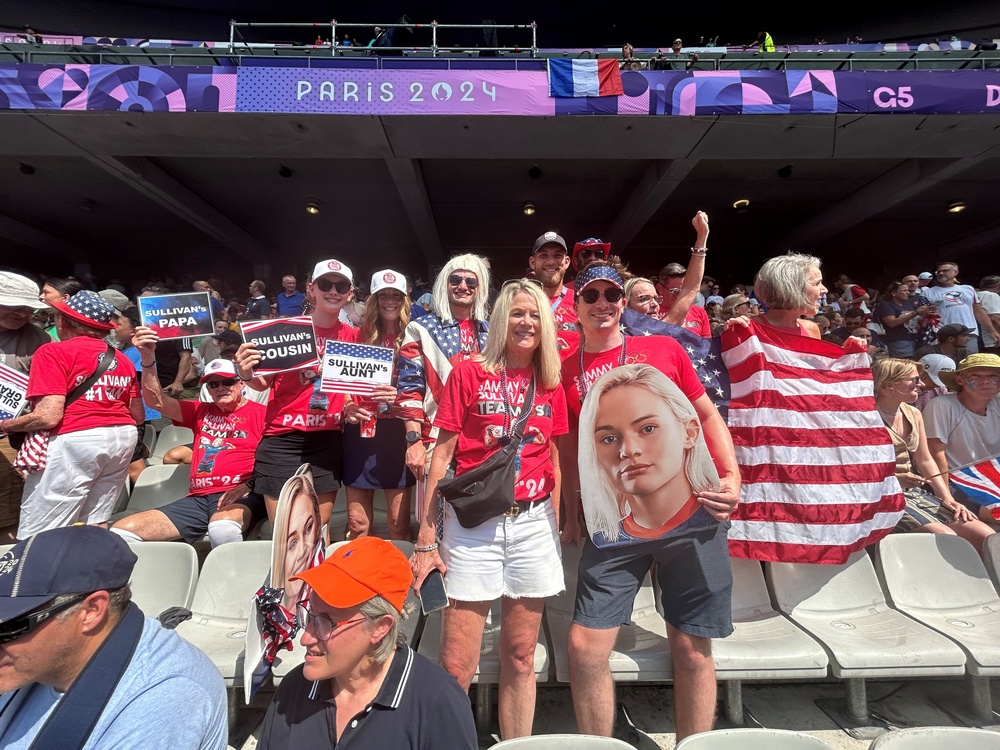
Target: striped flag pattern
356,379
981,482
817,464
13,390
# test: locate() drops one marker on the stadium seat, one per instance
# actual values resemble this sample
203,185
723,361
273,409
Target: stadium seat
157,486
765,645
641,652
170,437
165,575
752,739
563,742
935,738
122,502
230,577
940,580
286,661
843,607
991,558
149,439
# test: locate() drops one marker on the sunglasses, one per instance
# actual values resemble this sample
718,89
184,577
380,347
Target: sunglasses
21,626
227,383
471,282
323,627
612,294
592,253
325,285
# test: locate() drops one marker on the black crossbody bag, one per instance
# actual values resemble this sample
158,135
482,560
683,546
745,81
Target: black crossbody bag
487,491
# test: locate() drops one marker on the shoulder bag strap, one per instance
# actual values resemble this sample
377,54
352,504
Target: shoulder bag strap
71,722
103,364
522,422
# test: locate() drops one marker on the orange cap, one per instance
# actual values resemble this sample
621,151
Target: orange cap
359,570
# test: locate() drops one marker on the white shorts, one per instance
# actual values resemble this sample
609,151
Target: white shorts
83,476
518,558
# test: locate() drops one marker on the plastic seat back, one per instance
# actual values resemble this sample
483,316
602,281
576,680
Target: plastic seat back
991,558
934,572
750,597
564,742
752,739
230,577
159,485
800,588
165,575
170,437
935,738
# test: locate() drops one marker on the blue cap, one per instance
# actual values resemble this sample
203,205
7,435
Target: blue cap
71,560
597,273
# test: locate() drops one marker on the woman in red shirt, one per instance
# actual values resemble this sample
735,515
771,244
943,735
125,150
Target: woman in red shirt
516,555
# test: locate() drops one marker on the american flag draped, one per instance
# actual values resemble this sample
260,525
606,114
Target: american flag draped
817,464
981,482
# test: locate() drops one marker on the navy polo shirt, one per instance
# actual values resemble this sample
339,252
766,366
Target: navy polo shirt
418,707
290,305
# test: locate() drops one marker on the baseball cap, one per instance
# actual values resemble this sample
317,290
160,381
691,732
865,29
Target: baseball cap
19,291
973,360
926,276
549,238
69,560
229,338
388,279
953,329
934,364
596,273
326,267
359,570
118,300
221,367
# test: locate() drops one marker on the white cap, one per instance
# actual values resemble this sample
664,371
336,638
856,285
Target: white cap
925,276
223,367
388,279
934,364
327,267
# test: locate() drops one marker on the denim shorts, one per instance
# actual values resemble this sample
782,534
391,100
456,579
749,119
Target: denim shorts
693,570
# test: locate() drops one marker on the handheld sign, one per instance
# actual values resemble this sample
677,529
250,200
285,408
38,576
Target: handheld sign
355,369
285,343
13,392
177,316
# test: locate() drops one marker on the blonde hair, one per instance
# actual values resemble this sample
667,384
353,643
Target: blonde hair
601,500
631,284
781,281
300,484
545,358
372,327
473,263
729,305
887,370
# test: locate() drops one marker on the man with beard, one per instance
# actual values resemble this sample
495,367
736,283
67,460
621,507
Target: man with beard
549,261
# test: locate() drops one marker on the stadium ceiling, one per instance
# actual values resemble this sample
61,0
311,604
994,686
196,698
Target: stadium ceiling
226,194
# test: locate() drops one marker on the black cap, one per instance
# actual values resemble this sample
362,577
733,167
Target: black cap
952,329
230,338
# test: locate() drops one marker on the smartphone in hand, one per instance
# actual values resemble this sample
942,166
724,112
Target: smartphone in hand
433,595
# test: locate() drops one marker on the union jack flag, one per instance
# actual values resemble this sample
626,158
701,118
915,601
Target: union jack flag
981,482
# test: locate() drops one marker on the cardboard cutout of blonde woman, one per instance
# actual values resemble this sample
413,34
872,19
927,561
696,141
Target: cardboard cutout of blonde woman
642,459
297,545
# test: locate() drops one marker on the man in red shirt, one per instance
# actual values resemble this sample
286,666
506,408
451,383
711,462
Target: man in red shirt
549,260
226,434
671,281
91,440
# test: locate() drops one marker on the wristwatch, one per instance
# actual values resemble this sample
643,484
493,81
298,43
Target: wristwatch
412,436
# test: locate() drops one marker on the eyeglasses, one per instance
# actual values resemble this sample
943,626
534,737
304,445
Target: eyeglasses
323,627
673,289
645,299
21,626
325,285
612,294
910,381
471,282
227,383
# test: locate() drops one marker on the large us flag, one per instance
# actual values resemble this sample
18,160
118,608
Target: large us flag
817,463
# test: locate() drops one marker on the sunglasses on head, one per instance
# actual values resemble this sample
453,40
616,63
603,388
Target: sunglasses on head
471,282
227,383
510,282
21,626
612,294
325,285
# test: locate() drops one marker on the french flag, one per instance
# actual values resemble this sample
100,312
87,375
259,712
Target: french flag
584,78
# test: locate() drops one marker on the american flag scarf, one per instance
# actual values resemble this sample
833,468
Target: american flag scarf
33,455
279,626
817,463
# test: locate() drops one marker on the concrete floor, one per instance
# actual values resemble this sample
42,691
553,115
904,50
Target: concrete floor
798,707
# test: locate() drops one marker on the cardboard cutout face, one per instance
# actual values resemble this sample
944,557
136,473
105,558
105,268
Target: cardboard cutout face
642,458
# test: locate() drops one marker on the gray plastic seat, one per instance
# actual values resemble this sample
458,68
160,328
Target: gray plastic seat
170,436
765,645
230,577
165,575
157,486
641,652
149,439
752,739
940,581
286,661
563,742
843,607
936,738
991,558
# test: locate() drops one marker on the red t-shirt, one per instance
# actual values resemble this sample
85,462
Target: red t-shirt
224,443
60,366
469,340
662,352
563,310
473,406
697,320
296,404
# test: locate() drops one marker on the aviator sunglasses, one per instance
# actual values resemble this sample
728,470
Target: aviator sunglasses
471,282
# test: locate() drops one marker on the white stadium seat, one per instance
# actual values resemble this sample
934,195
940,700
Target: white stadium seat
165,575
752,739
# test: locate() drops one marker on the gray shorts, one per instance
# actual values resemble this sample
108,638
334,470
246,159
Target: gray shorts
191,514
693,571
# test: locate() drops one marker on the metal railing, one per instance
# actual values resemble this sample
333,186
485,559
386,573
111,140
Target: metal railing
434,48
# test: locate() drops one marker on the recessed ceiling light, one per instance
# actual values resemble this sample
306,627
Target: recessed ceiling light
312,206
529,209
957,207
741,203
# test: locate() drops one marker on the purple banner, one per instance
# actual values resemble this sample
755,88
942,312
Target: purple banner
393,92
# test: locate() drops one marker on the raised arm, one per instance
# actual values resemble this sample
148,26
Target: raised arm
144,339
695,271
